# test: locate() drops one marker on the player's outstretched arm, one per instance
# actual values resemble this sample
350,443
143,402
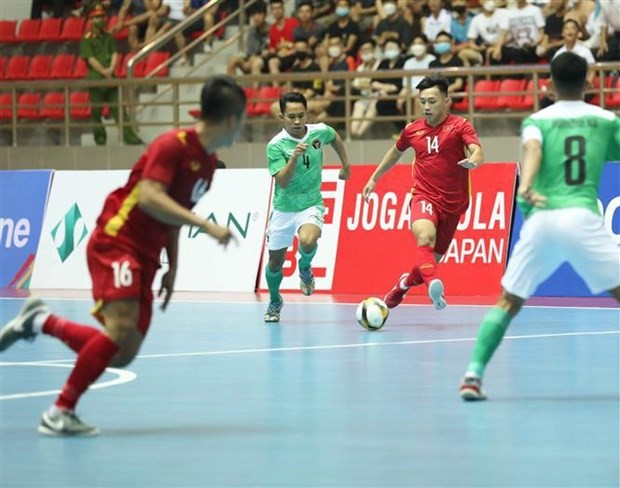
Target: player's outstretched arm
338,146
532,159
390,159
169,277
475,159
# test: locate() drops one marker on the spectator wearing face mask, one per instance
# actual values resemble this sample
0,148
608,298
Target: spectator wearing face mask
364,109
393,26
392,60
344,28
421,59
484,30
444,50
438,21
461,20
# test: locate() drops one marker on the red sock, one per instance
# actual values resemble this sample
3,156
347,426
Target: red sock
414,278
72,334
92,360
426,264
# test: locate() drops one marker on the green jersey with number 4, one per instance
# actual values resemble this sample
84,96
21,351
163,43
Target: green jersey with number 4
304,189
577,140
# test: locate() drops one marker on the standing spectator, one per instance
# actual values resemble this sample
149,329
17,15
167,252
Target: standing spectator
257,41
521,33
444,49
609,47
98,48
421,60
438,21
484,31
554,23
393,27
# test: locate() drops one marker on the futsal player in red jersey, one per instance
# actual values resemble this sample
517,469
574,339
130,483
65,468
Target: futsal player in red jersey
446,147
137,222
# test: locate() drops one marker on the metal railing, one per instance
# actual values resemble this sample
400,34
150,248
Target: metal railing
68,125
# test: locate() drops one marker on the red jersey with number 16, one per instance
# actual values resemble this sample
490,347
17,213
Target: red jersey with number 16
178,160
436,174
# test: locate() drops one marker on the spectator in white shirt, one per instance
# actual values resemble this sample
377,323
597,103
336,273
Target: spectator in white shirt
438,21
483,34
365,109
609,47
421,59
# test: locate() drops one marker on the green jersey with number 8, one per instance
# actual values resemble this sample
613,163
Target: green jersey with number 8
304,189
577,140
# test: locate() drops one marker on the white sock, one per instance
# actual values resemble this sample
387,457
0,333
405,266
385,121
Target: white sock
54,411
38,321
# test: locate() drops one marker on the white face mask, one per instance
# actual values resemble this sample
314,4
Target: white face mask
489,5
391,54
417,49
389,9
334,51
366,57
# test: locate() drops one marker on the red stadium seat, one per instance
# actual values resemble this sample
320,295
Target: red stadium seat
80,70
251,94
485,94
40,67
3,61
80,105
153,61
527,102
5,106
511,101
17,68
53,106
73,29
461,105
139,68
7,31
50,30
268,94
28,106
62,67
122,34
120,71
28,30
613,99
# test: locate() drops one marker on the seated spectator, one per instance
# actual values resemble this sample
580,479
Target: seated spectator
444,50
257,41
581,11
421,59
392,60
56,7
167,14
609,46
339,61
438,21
204,24
364,109
483,33
322,10
459,28
592,34
393,27
344,28
137,25
98,49
521,33
110,6
363,12
552,37
308,28
281,55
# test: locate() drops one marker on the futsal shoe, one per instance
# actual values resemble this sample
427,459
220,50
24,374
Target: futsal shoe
273,311
21,327
306,281
435,293
396,295
65,423
471,389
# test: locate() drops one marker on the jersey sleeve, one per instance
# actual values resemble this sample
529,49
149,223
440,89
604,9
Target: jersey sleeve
403,142
468,134
276,159
613,150
328,134
163,158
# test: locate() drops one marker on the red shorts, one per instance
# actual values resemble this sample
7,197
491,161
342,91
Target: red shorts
445,223
119,273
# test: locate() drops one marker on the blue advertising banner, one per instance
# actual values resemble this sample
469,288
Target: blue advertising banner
23,196
565,282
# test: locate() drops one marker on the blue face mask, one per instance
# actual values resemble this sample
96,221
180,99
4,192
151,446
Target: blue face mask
342,11
442,47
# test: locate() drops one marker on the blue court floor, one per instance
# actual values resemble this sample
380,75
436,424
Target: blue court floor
218,398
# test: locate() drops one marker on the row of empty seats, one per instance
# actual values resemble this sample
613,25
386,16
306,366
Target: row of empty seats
50,30
70,66
35,106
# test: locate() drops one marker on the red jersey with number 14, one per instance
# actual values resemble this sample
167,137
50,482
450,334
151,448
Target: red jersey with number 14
436,174
178,160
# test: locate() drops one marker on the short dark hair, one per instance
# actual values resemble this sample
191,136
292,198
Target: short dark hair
572,21
446,34
569,72
441,82
420,36
292,97
221,97
271,2
368,40
305,3
257,8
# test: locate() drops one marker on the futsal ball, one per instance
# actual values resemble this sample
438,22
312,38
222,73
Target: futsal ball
372,313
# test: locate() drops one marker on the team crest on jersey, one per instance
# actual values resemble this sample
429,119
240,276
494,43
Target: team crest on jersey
419,132
447,128
194,166
316,144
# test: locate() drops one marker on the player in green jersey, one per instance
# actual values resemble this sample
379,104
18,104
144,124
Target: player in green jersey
295,157
565,148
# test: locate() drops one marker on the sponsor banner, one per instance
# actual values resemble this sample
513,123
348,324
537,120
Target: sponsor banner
565,282
375,245
237,198
23,195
